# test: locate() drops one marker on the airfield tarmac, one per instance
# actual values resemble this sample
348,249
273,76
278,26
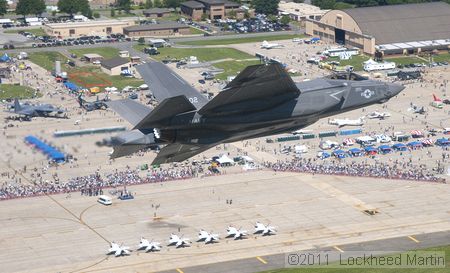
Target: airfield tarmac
60,234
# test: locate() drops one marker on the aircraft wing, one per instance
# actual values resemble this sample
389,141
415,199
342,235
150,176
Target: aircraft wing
130,110
164,83
26,112
256,88
176,152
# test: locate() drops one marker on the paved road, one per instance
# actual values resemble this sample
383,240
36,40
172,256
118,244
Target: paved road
277,261
235,36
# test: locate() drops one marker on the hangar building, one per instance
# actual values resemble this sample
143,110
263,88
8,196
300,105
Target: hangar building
395,29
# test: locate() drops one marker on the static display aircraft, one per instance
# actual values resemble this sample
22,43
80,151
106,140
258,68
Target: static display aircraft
29,110
236,233
118,250
178,241
262,100
437,102
378,115
346,122
204,236
149,246
267,45
264,230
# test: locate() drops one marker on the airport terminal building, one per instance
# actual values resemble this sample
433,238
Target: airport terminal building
396,29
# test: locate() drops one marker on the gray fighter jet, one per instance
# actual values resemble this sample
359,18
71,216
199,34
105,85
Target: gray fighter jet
262,100
29,110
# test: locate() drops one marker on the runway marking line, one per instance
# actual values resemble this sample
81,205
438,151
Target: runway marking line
338,249
413,239
179,270
261,260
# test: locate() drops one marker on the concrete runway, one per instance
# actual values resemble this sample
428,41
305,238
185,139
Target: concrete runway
277,261
71,234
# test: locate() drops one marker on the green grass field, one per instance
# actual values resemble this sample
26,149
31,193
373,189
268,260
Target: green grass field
203,54
444,57
242,40
8,91
89,75
196,30
93,76
232,68
46,59
35,31
405,60
105,52
355,61
374,270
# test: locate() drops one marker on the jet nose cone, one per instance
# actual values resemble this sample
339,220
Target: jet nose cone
394,89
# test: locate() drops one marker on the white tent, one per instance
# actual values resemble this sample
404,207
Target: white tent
224,159
247,158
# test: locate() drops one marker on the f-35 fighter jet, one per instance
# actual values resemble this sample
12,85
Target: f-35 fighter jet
262,100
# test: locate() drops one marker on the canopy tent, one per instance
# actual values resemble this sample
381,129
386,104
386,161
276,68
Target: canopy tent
399,147
71,86
384,149
427,142
416,133
355,152
5,58
370,150
247,158
442,141
51,152
349,141
415,144
225,160
323,155
339,153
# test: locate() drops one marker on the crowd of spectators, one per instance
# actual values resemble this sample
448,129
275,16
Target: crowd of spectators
396,170
94,183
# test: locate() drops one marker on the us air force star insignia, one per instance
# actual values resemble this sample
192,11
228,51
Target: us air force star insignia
367,94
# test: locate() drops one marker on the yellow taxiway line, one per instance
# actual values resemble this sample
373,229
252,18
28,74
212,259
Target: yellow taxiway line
261,260
413,239
179,270
338,249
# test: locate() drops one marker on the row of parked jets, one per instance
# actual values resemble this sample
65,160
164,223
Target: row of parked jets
181,241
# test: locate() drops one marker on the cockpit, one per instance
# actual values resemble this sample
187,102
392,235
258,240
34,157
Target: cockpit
350,76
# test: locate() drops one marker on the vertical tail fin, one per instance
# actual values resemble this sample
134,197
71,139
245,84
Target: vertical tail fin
17,106
436,98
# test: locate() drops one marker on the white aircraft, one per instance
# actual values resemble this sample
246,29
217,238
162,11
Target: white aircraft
236,233
264,230
118,250
149,246
267,45
347,122
378,115
207,237
178,241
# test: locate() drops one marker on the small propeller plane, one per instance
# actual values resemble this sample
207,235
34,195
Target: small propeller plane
264,230
118,250
204,236
236,233
149,246
178,241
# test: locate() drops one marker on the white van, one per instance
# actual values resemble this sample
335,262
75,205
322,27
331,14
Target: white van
105,200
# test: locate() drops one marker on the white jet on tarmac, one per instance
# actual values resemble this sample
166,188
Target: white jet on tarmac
118,250
267,45
178,241
264,230
347,122
236,233
149,246
204,236
378,115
